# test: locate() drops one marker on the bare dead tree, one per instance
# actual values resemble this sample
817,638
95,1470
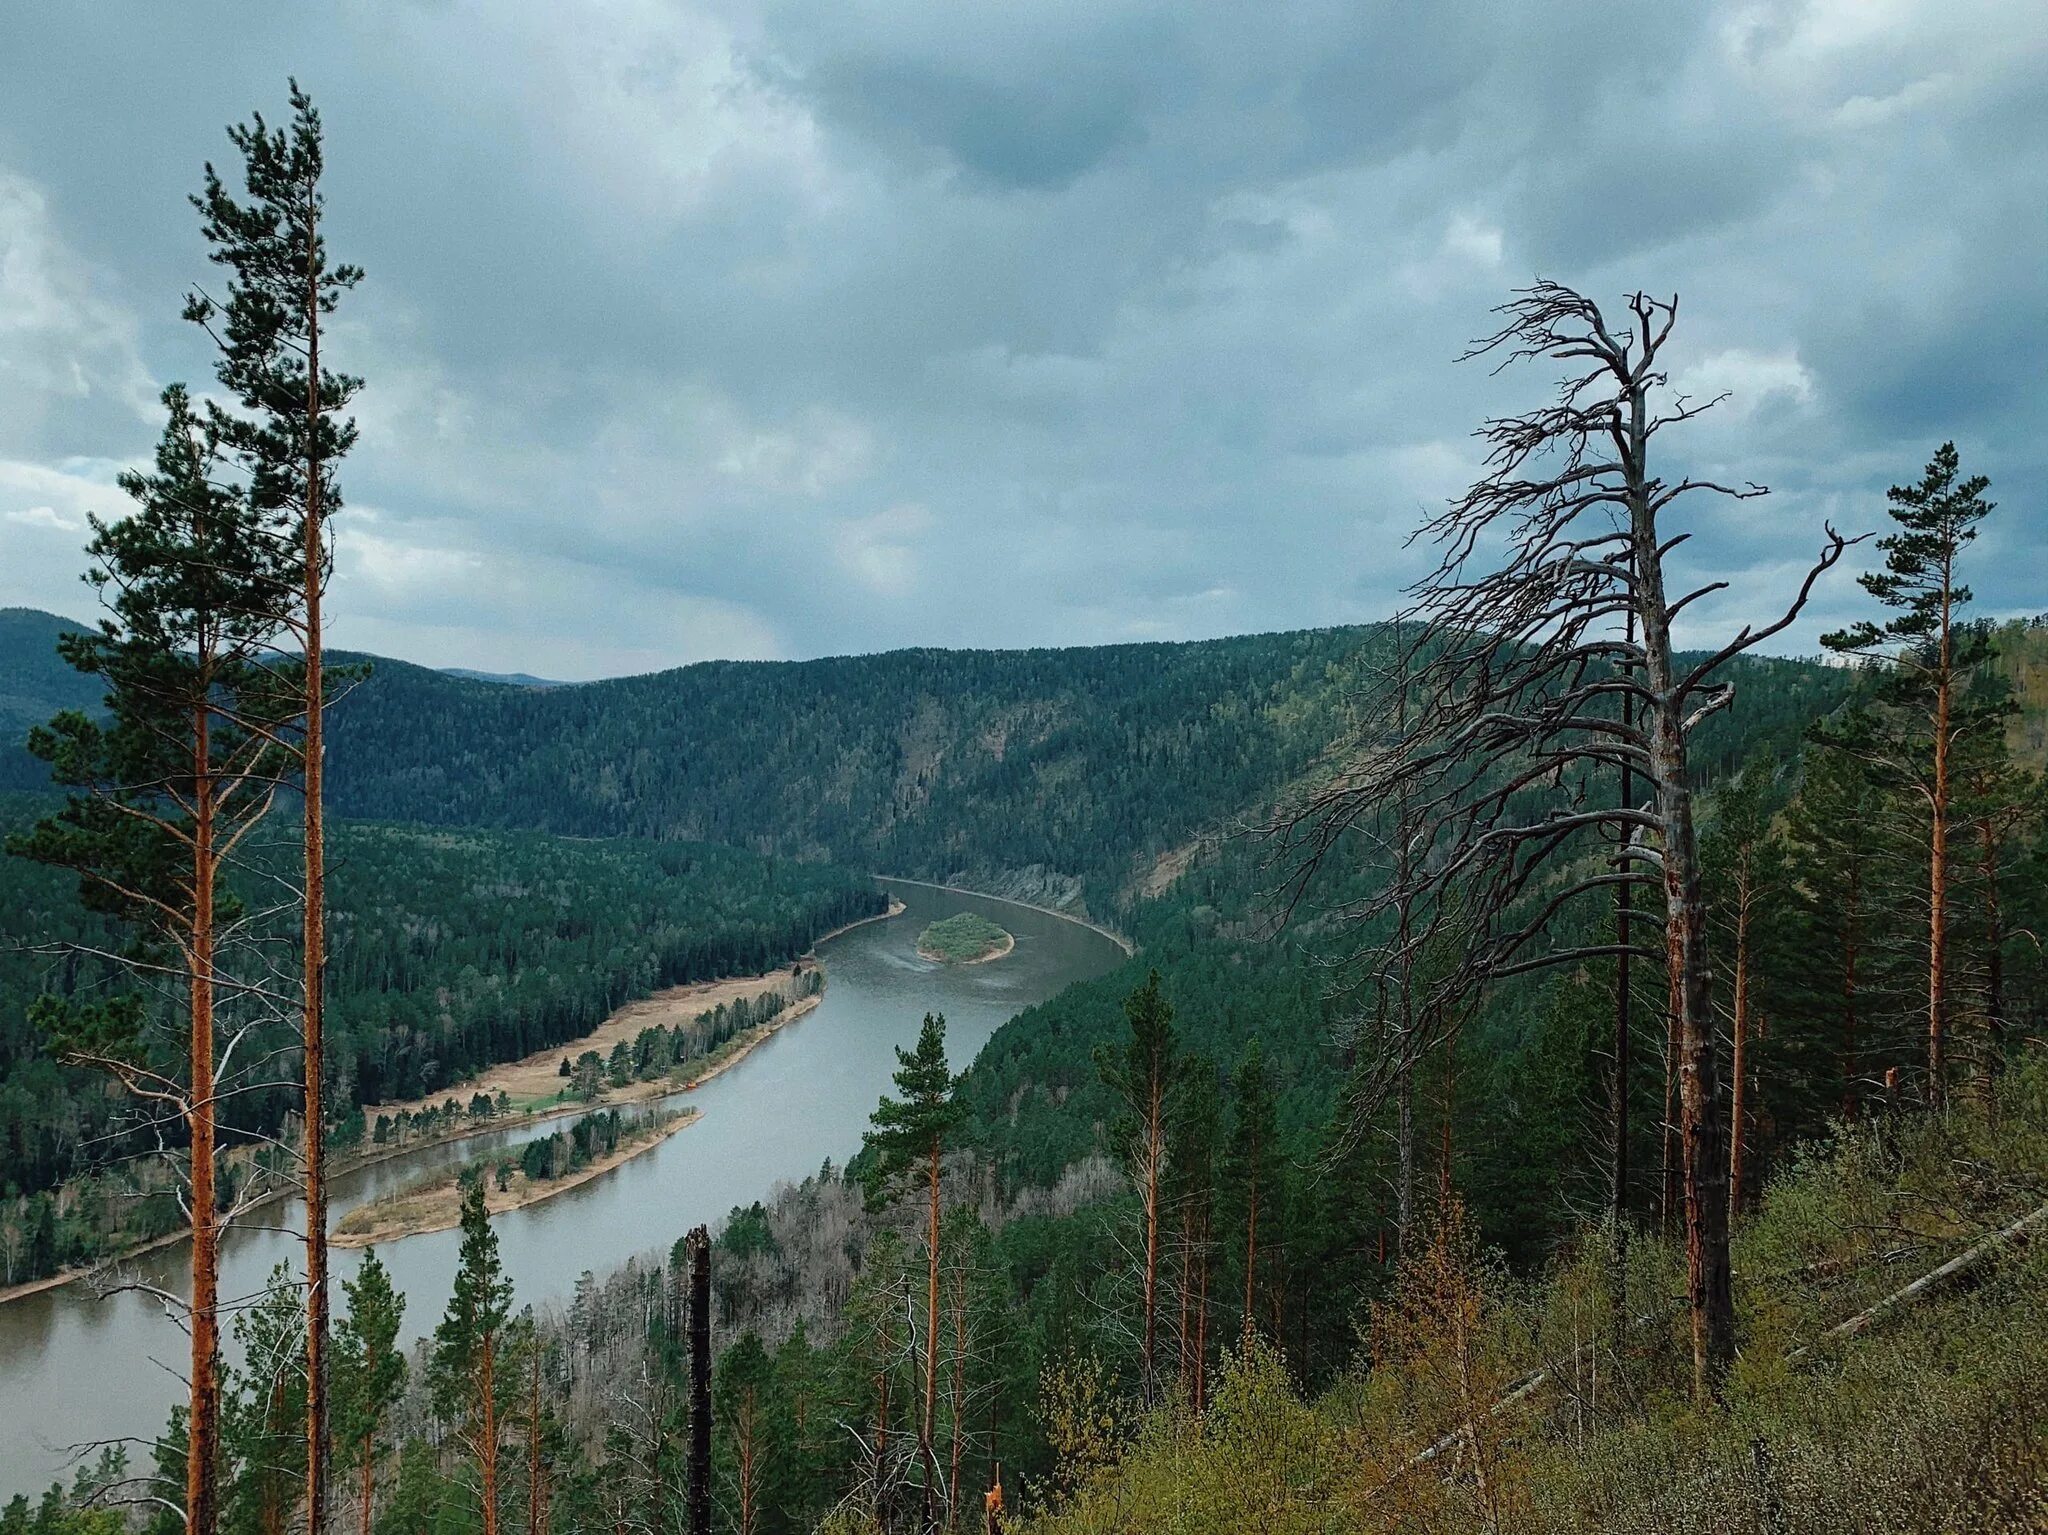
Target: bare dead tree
1519,649
698,1245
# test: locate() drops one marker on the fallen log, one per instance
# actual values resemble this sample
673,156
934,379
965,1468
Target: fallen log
1931,1281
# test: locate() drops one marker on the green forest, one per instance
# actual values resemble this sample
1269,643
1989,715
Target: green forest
1563,1079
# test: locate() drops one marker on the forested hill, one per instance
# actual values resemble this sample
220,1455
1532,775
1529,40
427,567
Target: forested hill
1079,777
35,682
1075,777
1062,768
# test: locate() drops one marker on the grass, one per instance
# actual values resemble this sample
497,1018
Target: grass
963,939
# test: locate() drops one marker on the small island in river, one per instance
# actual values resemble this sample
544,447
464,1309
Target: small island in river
967,938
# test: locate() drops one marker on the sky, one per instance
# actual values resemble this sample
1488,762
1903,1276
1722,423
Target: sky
778,330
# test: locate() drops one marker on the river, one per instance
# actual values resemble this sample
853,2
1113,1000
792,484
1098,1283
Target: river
78,1367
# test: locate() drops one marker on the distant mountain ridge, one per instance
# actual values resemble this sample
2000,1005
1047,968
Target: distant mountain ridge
1088,775
506,679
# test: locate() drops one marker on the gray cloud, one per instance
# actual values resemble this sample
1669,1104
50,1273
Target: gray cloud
710,329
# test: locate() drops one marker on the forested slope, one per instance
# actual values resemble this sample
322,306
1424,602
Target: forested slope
35,683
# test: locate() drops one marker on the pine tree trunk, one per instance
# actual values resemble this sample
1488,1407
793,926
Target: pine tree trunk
1251,1258
536,1490
1994,951
1670,1205
202,1511
487,1445
1404,1085
1937,875
1738,1090
1851,936
744,1433
1202,1323
1184,1337
927,1431
1155,1158
368,1492
1404,1151
959,1392
315,939
1703,1159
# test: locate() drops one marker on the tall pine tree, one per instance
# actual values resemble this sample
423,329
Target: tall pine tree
169,783
290,433
908,1138
1142,1072
1923,707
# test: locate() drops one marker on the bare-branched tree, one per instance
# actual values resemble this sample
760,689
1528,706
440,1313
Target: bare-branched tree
1528,689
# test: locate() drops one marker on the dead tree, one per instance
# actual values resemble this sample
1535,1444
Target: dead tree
698,1244
1519,649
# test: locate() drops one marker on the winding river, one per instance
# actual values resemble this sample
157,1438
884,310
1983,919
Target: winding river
77,1367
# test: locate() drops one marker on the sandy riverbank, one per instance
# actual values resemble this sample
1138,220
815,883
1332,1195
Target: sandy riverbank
533,1083
438,1206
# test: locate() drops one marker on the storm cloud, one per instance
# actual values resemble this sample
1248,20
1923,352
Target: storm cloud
788,329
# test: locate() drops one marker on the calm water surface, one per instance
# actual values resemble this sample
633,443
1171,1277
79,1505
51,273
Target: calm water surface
76,1368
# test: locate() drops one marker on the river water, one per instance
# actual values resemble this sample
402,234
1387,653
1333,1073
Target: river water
77,1367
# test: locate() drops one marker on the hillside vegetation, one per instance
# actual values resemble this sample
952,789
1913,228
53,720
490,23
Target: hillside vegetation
1483,1403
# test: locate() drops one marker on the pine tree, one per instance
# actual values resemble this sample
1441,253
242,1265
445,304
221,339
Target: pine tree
290,434
170,783
1253,1161
1922,708
1744,864
466,1372
1142,1074
369,1372
908,1140
750,1443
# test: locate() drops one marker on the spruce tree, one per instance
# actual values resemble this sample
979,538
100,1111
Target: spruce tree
290,433
907,1140
1922,707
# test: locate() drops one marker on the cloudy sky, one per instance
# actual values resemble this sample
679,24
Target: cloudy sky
757,330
